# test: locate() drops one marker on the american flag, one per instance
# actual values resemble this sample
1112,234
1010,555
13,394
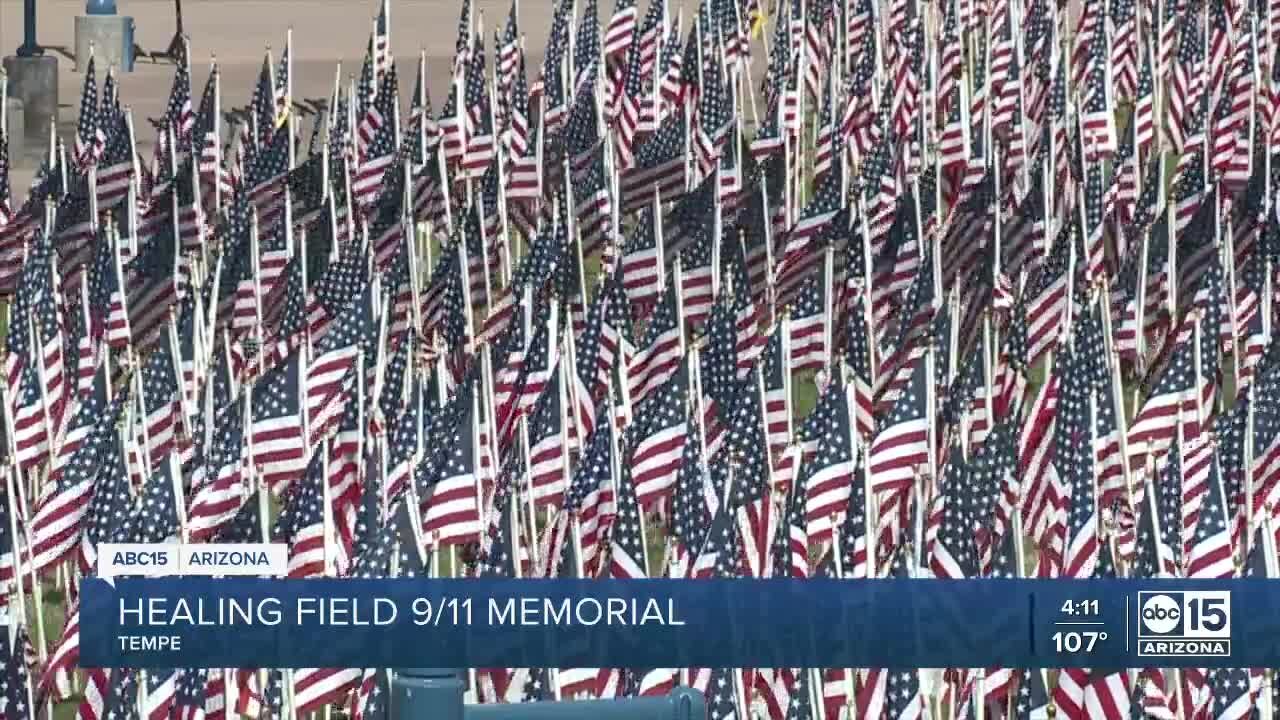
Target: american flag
1075,467
500,539
694,500
720,553
109,111
371,701
697,270
157,278
829,478
1096,121
724,701
586,48
59,516
206,140
449,490
774,375
636,105
382,57
178,113
15,677
810,332
225,489
379,133
334,358
656,438
618,36
262,109
34,364
524,177
6,200
550,85
117,167
115,697
189,697
256,700
301,525
671,69
800,704
89,139
1032,699
1211,554
1232,694
316,687
659,168
604,348
658,353
1186,96
161,408
593,205
768,139
478,118
424,132
591,497
904,700
279,449
1171,402
548,442
265,178
509,57
956,511
110,505
830,135
900,448
341,283
799,253
683,395
628,553
154,516
758,516
10,564
716,108
1159,540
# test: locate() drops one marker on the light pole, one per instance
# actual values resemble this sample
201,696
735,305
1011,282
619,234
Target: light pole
29,48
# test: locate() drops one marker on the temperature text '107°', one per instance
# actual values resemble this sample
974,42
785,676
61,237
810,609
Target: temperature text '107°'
1075,641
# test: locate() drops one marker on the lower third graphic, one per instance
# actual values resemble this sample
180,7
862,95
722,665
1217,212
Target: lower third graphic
1184,623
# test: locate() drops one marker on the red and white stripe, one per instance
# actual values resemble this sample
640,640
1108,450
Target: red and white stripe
313,688
655,463
452,513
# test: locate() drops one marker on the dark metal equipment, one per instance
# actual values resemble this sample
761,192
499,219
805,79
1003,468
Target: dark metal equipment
177,46
436,694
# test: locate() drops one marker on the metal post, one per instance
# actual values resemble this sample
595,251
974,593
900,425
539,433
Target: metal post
681,704
100,7
29,48
434,693
177,48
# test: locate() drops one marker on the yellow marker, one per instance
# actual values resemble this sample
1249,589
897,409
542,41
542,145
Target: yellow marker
757,23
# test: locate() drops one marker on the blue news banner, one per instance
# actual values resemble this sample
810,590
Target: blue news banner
244,622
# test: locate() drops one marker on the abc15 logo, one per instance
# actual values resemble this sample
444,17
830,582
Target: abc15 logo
1184,614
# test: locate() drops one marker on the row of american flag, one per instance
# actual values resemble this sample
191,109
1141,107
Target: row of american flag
569,326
